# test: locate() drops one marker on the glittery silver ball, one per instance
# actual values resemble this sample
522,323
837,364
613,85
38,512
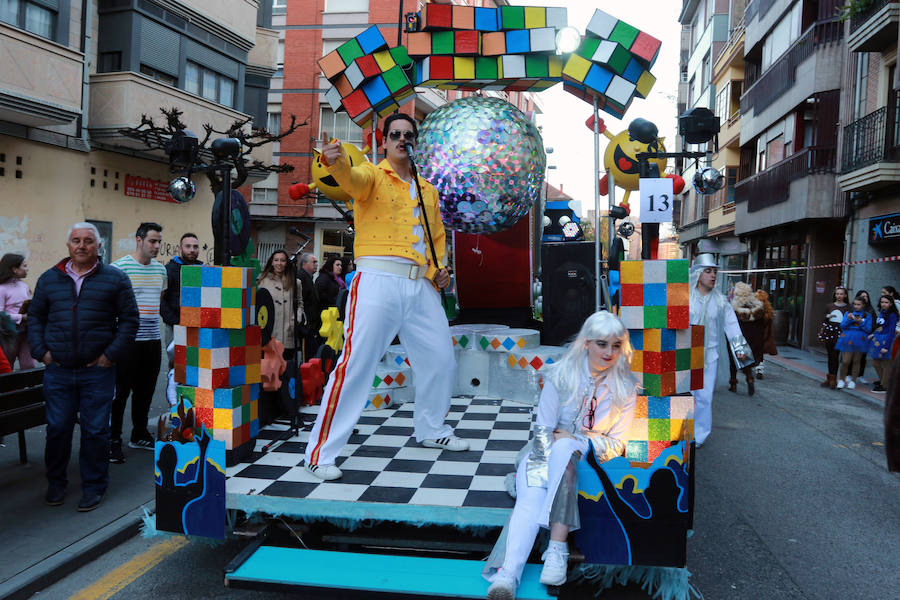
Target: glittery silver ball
486,160
182,189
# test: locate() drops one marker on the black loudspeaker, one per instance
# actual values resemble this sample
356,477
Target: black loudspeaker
568,289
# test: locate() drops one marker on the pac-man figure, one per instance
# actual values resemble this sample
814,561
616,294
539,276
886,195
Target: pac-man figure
620,157
332,329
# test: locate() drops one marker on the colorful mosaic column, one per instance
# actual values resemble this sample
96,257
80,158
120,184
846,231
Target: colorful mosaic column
217,354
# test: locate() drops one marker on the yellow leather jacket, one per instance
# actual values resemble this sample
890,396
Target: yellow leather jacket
383,212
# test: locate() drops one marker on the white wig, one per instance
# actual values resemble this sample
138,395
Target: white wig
567,373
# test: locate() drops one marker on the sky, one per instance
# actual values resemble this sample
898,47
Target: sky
564,115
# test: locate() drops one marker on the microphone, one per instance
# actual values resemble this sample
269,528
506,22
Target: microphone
298,233
410,150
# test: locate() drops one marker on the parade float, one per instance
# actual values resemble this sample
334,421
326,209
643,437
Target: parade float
407,521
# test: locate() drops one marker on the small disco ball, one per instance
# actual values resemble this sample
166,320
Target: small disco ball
182,189
486,160
708,181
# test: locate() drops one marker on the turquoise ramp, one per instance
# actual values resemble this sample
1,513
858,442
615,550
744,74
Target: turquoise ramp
272,566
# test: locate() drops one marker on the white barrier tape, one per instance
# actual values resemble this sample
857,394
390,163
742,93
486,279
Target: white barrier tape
808,268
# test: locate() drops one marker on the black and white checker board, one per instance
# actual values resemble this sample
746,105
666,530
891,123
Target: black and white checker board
383,463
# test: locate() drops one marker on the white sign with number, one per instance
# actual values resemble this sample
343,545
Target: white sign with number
656,199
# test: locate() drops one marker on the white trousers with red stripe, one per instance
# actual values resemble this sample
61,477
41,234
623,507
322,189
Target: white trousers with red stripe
381,306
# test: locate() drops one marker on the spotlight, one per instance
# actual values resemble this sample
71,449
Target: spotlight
698,125
567,40
182,148
182,190
572,231
223,148
546,221
626,228
708,181
564,220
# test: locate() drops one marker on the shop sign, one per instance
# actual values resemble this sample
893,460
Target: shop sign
143,187
884,229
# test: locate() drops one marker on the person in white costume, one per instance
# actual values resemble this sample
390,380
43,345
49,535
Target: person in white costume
587,404
710,308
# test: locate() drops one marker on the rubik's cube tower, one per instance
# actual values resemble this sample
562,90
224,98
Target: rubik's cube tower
509,48
658,421
668,350
217,354
612,64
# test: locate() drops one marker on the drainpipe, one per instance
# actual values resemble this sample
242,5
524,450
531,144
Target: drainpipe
86,15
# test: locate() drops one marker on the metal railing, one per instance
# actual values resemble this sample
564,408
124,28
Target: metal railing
765,88
871,139
772,186
859,19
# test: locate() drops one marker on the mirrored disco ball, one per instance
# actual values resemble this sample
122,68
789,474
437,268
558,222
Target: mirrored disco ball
486,160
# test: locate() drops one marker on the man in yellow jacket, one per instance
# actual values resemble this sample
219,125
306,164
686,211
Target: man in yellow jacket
394,292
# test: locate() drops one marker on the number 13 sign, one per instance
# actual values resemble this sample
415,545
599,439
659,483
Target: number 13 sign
657,198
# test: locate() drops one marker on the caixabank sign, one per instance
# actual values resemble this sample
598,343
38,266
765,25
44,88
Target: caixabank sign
884,229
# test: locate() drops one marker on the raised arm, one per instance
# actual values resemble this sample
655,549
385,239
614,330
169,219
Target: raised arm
358,182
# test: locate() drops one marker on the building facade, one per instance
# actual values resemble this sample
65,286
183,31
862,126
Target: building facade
870,146
78,71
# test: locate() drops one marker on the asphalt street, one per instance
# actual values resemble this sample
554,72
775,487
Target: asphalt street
793,501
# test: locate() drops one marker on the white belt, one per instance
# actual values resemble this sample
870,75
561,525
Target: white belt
392,267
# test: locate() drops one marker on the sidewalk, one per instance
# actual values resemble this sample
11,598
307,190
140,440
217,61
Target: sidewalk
815,366
43,544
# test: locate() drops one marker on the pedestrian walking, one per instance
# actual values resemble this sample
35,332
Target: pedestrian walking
750,313
138,370
81,321
769,347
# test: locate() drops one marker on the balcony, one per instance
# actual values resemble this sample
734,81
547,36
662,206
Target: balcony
40,81
119,99
870,157
227,19
721,220
875,28
265,52
812,65
773,185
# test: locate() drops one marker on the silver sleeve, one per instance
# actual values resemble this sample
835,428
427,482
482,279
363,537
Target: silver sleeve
536,465
605,447
739,345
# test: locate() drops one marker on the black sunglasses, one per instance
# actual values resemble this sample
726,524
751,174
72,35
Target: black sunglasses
407,135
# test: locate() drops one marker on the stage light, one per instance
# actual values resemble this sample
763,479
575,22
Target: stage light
223,148
572,231
182,190
698,125
546,221
182,148
567,40
563,220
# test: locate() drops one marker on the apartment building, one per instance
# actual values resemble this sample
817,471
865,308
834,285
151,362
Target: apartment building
870,145
704,32
307,30
75,72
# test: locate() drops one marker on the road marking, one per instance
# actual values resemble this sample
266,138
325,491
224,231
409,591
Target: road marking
122,576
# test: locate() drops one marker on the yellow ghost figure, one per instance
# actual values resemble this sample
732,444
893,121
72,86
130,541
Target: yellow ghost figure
620,158
332,329
323,179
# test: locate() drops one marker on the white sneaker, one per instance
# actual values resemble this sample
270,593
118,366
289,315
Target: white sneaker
556,564
862,379
851,385
840,384
451,442
324,472
502,588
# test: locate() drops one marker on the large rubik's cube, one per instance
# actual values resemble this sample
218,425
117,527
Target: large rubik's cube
217,297
217,358
658,421
655,294
612,64
368,77
668,361
217,353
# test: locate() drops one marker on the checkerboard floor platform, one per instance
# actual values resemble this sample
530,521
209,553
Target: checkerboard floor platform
384,464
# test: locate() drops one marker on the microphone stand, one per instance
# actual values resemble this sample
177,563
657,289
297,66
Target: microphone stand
297,422
415,174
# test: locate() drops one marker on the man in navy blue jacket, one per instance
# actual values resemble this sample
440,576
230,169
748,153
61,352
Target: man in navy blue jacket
82,319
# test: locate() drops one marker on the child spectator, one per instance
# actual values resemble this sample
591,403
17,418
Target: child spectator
853,342
880,341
